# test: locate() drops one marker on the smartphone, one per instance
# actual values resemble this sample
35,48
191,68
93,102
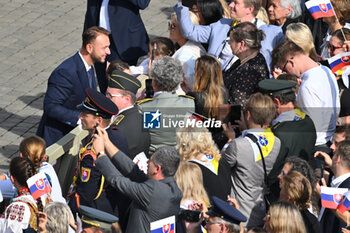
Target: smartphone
149,88
320,165
189,215
96,127
229,113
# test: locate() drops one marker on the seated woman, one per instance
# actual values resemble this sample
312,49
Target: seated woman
209,92
241,80
33,148
20,216
189,50
284,12
284,217
197,146
296,189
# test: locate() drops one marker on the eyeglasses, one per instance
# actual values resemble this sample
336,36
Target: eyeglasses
332,47
171,26
109,95
285,64
284,173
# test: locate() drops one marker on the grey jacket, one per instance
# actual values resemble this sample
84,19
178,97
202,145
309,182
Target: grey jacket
151,199
248,177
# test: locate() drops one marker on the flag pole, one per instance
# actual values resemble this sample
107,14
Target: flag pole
336,17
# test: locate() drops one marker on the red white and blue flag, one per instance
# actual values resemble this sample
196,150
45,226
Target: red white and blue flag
165,225
345,203
38,185
320,8
339,61
331,197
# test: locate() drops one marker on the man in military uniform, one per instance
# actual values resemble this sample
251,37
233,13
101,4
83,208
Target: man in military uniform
122,89
294,128
96,221
164,112
90,186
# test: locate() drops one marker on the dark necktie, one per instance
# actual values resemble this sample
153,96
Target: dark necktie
91,77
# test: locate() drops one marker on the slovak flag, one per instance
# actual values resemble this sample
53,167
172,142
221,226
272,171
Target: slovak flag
38,185
165,225
331,197
320,8
339,61
345,204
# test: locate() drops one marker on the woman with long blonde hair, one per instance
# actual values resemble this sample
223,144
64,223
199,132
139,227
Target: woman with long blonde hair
208,86
209,92
190,181
284,217
197,146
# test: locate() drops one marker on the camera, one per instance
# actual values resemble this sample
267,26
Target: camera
189,215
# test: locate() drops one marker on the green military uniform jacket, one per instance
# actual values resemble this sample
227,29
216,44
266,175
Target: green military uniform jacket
173,109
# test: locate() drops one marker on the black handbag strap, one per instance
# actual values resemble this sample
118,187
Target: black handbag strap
255,140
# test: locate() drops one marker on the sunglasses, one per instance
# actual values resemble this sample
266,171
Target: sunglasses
171,26
332,47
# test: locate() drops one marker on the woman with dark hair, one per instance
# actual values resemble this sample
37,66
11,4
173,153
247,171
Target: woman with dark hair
209,11
20,216
241,80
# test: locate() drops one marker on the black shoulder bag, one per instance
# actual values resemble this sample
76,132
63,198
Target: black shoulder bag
266,187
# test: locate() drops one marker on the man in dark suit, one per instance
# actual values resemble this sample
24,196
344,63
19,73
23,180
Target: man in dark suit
155,195
332,221
67,83
129,39
122,89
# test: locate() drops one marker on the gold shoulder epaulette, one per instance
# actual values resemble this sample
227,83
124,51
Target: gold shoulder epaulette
187,96
118,119
143,101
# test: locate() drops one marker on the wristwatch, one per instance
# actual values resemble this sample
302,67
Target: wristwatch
100,153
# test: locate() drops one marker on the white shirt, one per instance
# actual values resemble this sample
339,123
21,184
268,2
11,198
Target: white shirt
318,97
56,193
87,67
104,18
187,55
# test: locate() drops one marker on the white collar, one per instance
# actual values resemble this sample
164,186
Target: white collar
124,109
87,67
340,179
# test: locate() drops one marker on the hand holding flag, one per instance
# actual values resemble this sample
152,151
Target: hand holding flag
345,203
39,185
331,197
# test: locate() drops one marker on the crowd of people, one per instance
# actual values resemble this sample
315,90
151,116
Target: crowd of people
231,124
